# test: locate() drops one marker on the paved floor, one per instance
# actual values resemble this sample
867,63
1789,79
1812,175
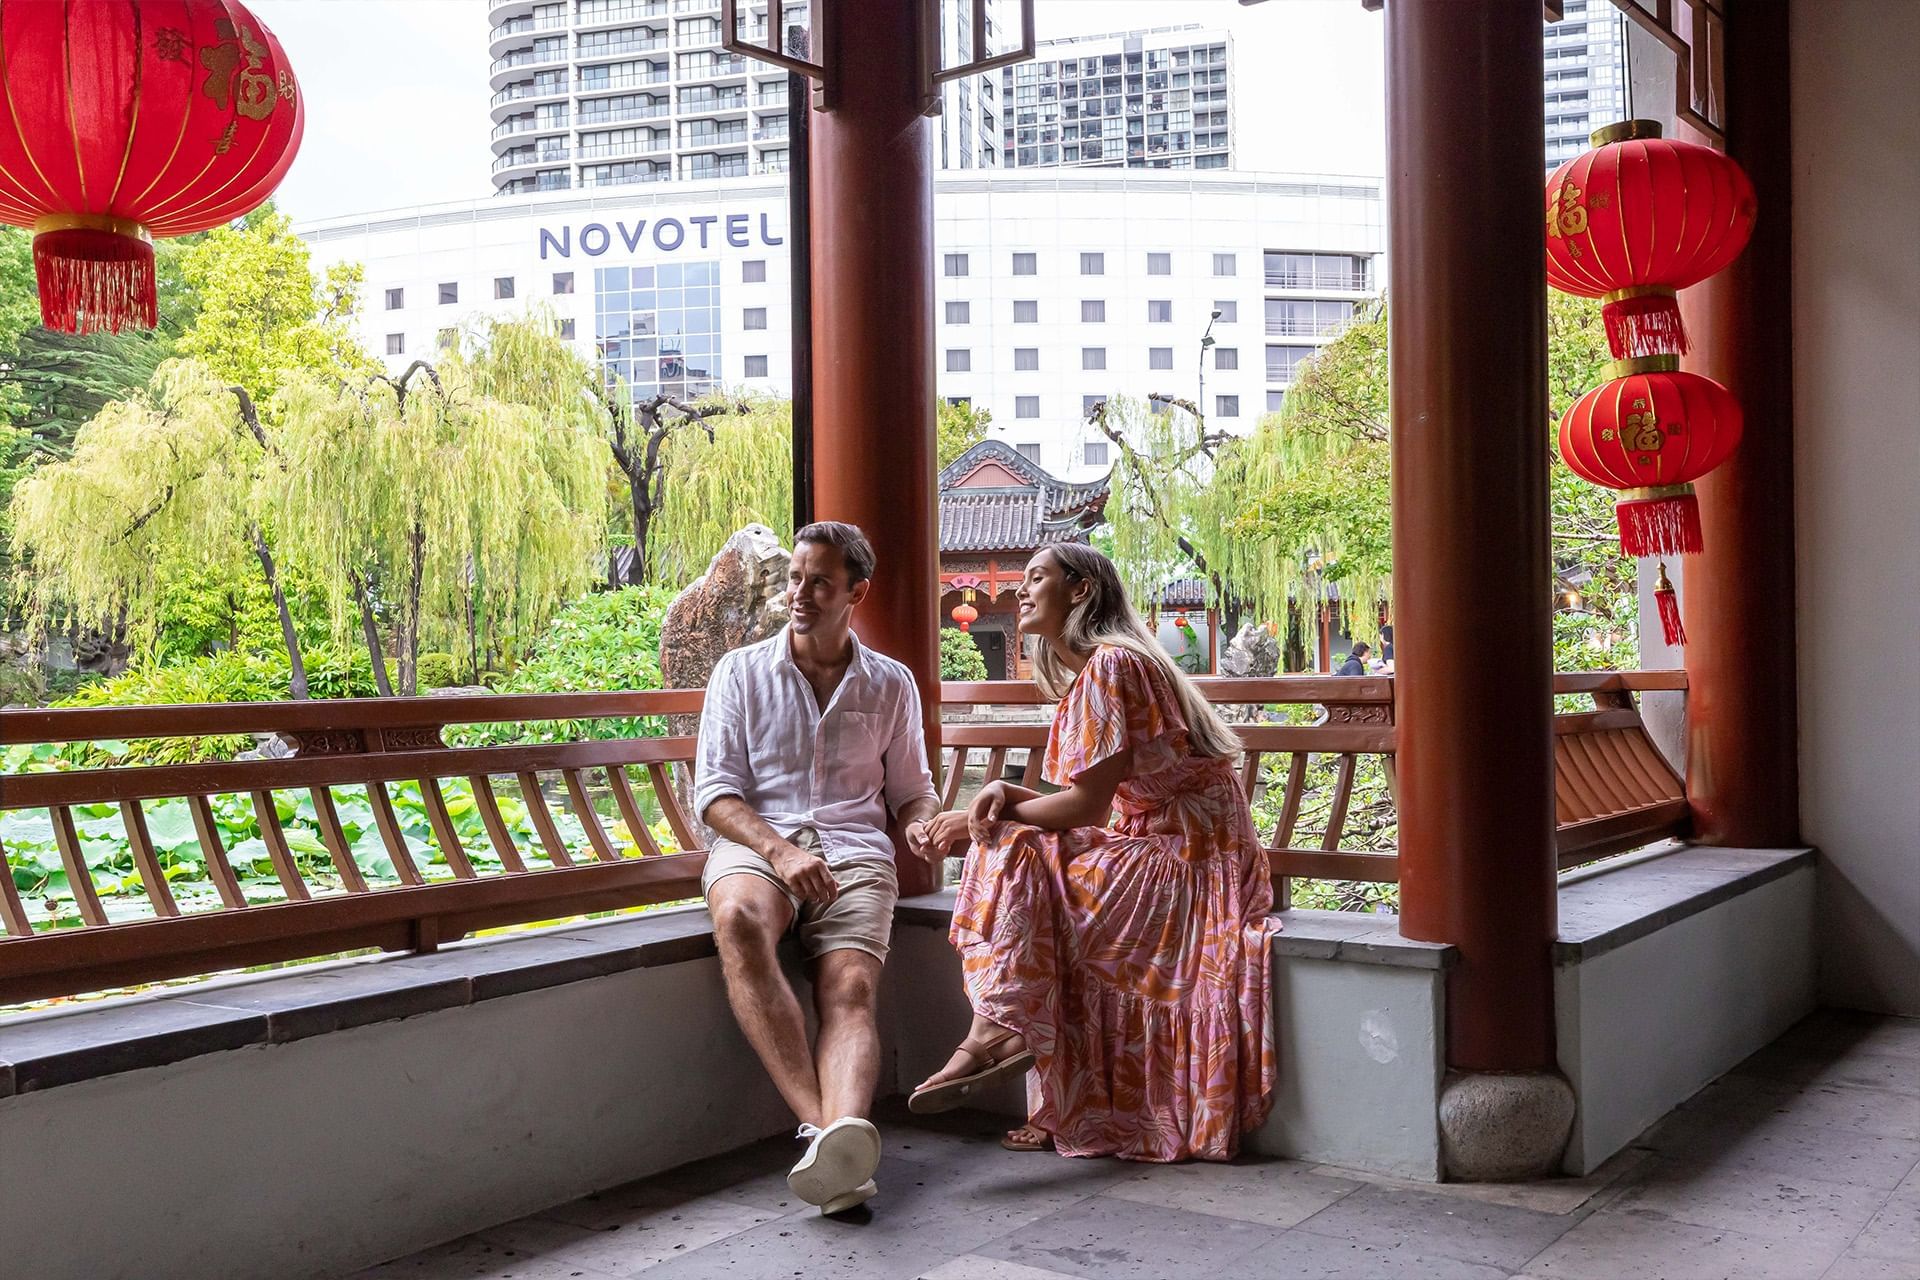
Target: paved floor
1799,1165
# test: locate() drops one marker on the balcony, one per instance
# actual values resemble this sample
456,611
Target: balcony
615,150
593,118
732,169
505,66
514,30
527,159
614,84
712,103
616,49
589,20
696,141
528,91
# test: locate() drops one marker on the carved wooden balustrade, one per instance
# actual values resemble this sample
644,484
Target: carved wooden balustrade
578,839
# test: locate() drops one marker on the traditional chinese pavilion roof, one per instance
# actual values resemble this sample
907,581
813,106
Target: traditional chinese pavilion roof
993,498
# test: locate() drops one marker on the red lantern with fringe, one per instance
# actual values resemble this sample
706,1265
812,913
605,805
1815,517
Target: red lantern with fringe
964,615
1637,218
1650,432
131,119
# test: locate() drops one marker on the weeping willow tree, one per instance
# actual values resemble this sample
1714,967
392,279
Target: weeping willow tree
736,470
473,494
173,480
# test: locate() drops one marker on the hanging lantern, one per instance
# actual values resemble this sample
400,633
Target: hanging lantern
1650,432
1637,218
132,119
964,615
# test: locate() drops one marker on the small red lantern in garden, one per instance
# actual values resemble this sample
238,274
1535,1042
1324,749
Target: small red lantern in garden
1637,218
132,119
965,614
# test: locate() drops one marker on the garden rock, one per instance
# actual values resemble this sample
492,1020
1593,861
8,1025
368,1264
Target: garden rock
1253,654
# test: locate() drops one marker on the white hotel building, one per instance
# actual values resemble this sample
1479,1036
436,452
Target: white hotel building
1054,288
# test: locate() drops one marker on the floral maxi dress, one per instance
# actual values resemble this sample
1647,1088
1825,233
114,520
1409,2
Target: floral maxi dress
1133,959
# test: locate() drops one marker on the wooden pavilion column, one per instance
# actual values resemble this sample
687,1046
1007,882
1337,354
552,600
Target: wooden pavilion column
871,171
1742,739
1473,633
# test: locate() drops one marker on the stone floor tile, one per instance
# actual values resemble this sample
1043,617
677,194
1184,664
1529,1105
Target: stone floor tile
1880,1112
1301,1255
1545,1195
1866,1032
1272,1193
1641,1246
644,1235
975,1267
1490,1235
1781,1143
1857,1266
1831,1062
1894,1233
1751,1202
1109,1239
472,1258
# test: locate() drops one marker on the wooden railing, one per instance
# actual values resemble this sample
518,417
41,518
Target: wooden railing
1614,791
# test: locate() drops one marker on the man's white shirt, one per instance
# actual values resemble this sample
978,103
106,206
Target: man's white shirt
840,770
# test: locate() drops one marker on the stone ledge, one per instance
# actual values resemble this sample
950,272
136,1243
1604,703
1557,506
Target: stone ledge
1607,907
1304,935
44,1050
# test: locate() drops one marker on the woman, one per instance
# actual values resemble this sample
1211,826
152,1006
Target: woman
1127,965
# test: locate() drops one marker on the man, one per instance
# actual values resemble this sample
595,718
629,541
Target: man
808,739
1356,663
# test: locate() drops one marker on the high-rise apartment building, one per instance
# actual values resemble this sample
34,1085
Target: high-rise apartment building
1586,75
600,93
1159,98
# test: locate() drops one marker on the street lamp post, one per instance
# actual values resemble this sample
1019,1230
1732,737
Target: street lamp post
1206,340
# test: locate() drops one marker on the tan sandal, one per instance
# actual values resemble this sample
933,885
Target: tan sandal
1013,1141
949,1094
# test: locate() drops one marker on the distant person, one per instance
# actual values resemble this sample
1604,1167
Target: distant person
809,738
1126,962
1356,663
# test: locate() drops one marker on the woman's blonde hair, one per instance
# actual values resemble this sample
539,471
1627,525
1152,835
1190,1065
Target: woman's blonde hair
1106,616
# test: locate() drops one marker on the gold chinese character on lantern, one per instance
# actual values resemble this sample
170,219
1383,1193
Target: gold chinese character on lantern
1567,216
1643,433
248,88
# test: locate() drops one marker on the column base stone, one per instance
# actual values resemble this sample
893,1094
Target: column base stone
1505,1126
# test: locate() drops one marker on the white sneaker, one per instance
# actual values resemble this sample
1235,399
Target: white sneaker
839,1159
852,1199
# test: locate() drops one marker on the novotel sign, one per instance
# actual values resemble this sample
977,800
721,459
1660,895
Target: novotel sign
702,231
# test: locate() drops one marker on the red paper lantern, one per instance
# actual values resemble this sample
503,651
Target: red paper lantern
1650,432
132,119
964,614
1637,218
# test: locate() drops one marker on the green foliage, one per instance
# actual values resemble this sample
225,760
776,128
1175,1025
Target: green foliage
202,611
960,656
959,427
711,488
437,671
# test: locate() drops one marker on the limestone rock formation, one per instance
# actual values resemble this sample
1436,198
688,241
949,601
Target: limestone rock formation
1252,654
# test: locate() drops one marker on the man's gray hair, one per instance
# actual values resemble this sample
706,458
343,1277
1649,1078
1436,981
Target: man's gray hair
852,545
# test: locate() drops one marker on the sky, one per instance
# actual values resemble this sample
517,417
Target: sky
397,90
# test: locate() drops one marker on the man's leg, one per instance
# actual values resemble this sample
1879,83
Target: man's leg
750,914
847,1054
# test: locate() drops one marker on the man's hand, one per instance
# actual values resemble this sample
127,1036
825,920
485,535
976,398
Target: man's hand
918,842
985,810
804,873
934,838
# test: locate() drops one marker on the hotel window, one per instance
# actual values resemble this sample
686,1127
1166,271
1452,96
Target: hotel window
1159,357
1026,312
959,360
959,313
753,271
1093,311
1089,403
956,264
1094,453
1226,406
1159,312
563,282
756,366
1027,407
1282,362
1025,264
1226,357
753,318
447,338
1223,264
1229,311
1093,357
1030,450
396,344
1159,264
396,298
1093,264
449,294
1274,400
566,331
502,288
1026,359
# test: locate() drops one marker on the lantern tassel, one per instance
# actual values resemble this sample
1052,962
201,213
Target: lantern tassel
92,279
1644,324
1667,601
1665,524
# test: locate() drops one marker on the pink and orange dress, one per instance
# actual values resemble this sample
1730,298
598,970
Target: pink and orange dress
1133,958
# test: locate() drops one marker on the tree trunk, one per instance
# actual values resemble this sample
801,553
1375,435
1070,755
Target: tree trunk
473,625
370,632
296,665
410,626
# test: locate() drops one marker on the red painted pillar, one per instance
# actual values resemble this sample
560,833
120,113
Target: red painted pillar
1742,728
872,205
1473,641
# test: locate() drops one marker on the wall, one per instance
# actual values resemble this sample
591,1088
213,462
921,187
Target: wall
1856,302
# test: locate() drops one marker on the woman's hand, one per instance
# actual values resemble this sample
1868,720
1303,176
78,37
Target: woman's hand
985,810
944,832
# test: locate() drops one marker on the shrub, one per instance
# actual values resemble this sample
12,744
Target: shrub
435,671
960,657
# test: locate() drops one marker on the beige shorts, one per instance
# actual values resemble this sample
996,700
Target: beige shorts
861,917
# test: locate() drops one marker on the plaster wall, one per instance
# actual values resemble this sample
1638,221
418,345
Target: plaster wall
1856,361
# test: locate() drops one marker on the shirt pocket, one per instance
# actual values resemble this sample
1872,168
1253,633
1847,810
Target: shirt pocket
854,747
